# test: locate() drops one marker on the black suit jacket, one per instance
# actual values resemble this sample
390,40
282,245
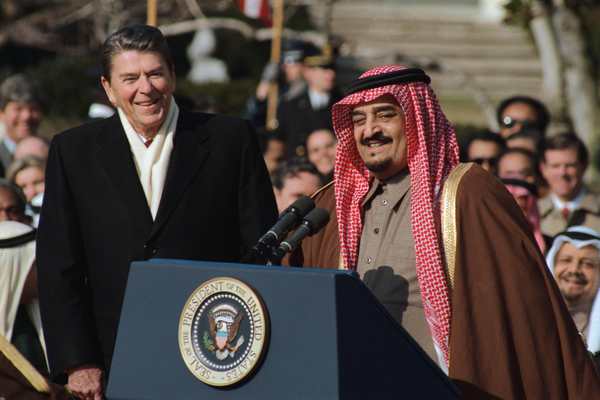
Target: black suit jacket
217,201
297,120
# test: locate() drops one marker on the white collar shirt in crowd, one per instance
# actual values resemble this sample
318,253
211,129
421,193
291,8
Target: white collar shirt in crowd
571,205
10,144
318,100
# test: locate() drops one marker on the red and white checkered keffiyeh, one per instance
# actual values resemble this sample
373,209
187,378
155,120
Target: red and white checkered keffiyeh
432,154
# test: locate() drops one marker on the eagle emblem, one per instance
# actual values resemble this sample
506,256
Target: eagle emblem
224,322
223,331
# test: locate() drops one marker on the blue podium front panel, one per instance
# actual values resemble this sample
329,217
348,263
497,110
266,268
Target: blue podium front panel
329,338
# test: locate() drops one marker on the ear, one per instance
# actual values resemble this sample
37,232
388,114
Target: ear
108,90
543,168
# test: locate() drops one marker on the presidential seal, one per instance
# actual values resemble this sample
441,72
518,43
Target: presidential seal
223,331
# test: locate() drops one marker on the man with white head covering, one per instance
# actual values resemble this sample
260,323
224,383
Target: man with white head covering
18,292
443,245
574,260
22,347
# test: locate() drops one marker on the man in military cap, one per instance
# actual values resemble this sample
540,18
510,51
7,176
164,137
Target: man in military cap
311,109
287,75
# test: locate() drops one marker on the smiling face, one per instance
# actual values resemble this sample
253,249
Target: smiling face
31,181
141,84
379,133
321,147
577,273
21,119
564,172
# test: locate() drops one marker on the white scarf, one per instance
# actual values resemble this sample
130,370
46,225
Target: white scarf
15,264
593,337
152,162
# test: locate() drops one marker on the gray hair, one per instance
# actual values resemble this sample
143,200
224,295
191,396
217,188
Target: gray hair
142,38
19,88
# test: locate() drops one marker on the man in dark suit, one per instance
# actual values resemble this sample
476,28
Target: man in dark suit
151,181
310,110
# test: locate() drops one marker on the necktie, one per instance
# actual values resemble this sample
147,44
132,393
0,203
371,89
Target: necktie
148,142
565,213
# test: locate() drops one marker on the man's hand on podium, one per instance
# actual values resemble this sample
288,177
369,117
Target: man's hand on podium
85,382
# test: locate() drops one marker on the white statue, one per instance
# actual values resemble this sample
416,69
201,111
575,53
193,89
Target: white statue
205,68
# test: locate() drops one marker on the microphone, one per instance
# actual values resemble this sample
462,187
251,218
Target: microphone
288,219
311,224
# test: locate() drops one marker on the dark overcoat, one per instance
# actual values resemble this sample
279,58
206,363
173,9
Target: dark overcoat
217,201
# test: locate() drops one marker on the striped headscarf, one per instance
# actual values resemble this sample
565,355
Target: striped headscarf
526,196
432,154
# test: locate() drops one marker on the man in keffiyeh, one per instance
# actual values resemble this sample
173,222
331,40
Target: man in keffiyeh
574,260
526,196
443,246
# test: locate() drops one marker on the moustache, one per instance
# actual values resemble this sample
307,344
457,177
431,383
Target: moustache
575,276
377,137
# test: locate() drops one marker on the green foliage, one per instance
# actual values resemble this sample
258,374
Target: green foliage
71,83
244,58
590,17
68,84
518,12
230,98
299,19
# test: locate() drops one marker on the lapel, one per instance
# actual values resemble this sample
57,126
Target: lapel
545,206
304,102
187,157
590,202
115,156
6,156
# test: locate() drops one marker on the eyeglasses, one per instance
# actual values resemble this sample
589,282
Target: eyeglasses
481,160
509,122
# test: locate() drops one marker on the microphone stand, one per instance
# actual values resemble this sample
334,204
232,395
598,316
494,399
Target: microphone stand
258,254
261,252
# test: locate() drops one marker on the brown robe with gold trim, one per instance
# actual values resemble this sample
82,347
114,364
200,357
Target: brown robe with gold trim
15,386
511,336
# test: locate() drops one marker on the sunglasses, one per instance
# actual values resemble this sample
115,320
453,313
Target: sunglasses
509,122
481,160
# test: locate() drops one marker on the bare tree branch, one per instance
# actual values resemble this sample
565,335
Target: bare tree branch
245,29
194,8
83,13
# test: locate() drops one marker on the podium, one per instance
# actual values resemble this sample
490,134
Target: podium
328,338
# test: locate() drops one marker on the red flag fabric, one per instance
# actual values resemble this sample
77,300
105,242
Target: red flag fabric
256,9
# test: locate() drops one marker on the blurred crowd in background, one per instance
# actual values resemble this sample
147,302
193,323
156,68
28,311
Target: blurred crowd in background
545,174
